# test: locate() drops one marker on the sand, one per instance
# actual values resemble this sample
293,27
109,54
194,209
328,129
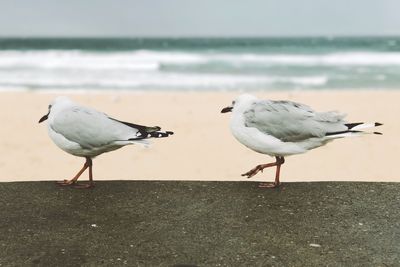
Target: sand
202,147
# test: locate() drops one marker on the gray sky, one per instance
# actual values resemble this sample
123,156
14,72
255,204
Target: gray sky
180,18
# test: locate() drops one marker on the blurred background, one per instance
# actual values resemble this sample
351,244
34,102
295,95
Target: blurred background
191,45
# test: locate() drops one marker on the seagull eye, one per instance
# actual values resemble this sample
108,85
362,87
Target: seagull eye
233,103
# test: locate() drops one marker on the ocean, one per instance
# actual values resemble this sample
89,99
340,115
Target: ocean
195,64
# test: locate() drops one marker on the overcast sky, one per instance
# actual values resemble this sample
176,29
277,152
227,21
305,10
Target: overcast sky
185,18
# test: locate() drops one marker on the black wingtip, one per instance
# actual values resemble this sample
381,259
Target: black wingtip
378,124
151,135
160,134
378,133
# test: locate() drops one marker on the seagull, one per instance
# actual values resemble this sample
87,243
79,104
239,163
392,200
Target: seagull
284,128
85,132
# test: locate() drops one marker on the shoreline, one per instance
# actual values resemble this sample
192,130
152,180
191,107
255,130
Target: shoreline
202,148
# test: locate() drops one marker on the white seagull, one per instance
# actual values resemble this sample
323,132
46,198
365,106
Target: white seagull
283,128
85,132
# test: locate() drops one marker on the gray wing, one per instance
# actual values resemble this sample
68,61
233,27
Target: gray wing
291,121
91,128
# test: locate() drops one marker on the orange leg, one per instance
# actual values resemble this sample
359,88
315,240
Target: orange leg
73,181
279,161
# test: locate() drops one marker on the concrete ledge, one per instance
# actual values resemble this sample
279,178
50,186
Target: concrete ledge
146,223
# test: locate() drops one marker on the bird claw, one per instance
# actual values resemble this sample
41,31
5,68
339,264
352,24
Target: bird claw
66,183
269,185
75,184
253,172
84,186
249,174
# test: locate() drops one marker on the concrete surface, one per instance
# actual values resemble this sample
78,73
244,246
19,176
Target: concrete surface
147,223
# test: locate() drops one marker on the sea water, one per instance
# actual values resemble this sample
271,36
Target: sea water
196,64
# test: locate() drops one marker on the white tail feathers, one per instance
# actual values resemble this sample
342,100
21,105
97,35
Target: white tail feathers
363,126
347,134
354,129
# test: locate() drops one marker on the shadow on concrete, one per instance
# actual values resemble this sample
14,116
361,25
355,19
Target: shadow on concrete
179,223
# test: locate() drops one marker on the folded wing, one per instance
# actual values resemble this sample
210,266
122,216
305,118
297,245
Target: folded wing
291,121
91,128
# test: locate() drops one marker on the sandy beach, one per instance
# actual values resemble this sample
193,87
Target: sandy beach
202,147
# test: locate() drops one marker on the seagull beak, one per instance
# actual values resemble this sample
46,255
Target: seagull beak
45,117
227,109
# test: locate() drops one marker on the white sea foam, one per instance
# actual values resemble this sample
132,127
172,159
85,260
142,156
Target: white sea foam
151,60
140,69
332,59
53,59
159,80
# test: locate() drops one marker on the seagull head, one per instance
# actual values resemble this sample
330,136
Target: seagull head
241,101
56,102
